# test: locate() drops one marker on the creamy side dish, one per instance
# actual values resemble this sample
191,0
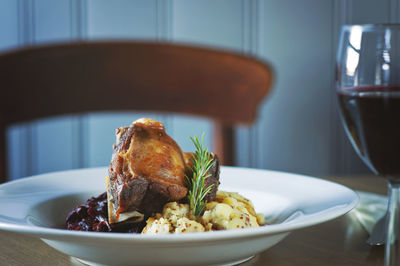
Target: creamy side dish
229,211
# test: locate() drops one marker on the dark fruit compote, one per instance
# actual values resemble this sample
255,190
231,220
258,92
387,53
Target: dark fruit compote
93,216
372,119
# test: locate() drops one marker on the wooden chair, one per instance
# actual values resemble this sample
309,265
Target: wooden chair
117,76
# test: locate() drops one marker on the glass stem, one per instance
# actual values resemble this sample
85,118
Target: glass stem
392,249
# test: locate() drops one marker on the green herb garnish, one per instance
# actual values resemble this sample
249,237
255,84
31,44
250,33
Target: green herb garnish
202,162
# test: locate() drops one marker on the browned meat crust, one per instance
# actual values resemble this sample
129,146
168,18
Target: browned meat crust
147,170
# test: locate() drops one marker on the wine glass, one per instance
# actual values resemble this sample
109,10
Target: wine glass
368,88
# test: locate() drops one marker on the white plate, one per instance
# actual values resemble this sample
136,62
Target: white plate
37,205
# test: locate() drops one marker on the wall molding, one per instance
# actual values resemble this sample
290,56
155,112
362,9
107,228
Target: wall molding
78,18
394,11
27,146
80,131
251,14
26,22
164,20
340,152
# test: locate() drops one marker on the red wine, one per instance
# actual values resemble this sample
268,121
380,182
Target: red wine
372,119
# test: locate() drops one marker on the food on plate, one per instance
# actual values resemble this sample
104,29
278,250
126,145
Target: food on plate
147,170
229,211
153,187
93,216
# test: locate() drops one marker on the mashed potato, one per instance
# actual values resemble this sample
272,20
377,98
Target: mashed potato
229,211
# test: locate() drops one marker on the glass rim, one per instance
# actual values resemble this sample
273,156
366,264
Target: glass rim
366,27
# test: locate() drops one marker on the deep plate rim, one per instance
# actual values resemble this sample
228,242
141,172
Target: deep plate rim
188,238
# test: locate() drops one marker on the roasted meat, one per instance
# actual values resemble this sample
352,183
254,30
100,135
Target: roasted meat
147,170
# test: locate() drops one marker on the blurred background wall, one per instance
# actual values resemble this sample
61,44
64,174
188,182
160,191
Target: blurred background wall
298,128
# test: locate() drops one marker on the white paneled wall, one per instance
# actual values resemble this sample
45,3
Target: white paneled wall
125,19
209,22
298,128
300,50
8,23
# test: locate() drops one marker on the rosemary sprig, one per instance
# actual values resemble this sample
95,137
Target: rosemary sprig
202,162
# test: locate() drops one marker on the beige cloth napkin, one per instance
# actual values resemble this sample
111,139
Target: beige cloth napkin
370,209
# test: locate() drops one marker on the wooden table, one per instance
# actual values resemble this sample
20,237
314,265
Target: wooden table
338,242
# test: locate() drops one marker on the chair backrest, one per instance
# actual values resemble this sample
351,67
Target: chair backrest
116,76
